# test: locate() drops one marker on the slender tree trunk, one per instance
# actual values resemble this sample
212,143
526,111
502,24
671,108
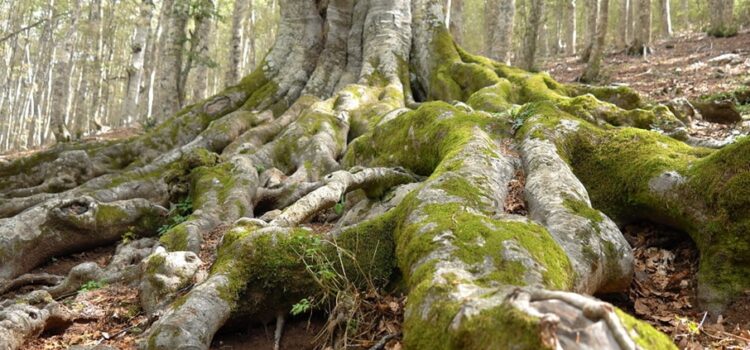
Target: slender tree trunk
239,15
204,28
138,42
665,29
570,27
169,81
533,26
62,78
593,69
642,29
622,36
500,33
592,9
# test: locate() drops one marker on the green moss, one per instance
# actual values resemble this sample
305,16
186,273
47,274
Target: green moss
644,335
110,215
584,210
154,262
176,239
264,268
417,140
621,96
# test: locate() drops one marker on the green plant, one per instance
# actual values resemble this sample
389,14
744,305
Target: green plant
128,236
90,285
178,213
302,306
150,123
339,207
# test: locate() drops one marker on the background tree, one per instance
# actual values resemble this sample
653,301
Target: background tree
593,68
641,42
721,22
500,21
532,27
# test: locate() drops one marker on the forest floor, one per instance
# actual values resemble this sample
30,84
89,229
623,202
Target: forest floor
663,290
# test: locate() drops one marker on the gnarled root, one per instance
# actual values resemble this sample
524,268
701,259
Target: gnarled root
63,226
28,317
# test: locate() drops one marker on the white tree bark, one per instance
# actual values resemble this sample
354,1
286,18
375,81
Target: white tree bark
239,15
138,43
500,20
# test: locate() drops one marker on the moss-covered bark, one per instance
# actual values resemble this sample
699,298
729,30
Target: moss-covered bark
343,109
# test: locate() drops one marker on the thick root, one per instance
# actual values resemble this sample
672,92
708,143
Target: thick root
64,226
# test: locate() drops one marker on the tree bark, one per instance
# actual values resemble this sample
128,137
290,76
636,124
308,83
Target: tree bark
61,79
592,10
641,29
500,33
204,27
137,56
593,68
533,26
173,41
347,118
454,19
665,28
570,27
623,25
239,15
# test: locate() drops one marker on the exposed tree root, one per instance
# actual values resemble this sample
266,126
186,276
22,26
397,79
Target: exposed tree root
28,317
335,118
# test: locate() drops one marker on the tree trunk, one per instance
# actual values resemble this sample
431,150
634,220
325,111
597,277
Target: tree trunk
534,18
641,29
593,69
570,27
592,9
138,42
169,79
665,29
721,23
454,19
239,15
623,24
204,27
61,80
500,32
347,119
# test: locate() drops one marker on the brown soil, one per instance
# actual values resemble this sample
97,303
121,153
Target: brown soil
297,335
663,292
677,68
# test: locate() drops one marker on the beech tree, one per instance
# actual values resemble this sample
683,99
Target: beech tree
593,68
368,112
640,45
721,22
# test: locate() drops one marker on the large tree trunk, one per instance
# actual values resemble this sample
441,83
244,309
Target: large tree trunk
454,19
348,112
